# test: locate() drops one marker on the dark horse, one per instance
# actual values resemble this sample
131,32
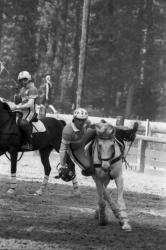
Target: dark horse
45,142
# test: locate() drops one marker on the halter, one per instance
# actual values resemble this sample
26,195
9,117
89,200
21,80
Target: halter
98,150
111,159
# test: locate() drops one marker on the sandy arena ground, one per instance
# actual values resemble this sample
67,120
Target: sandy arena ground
58,221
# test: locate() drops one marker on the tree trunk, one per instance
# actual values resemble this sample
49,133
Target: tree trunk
1,18
129,102
83,48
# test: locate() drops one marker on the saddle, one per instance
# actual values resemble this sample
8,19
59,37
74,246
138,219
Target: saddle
81,155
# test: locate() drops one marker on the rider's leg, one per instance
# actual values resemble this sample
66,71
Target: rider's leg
76,190
26,128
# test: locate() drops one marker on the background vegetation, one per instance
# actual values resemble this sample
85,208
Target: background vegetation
126,53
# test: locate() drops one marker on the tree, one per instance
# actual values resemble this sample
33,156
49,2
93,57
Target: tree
83,48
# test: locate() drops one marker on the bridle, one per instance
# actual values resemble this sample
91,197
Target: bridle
112,137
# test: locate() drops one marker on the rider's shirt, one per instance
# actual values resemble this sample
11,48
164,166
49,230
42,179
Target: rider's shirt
70,134
27,94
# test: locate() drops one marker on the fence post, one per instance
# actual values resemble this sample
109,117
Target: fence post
42,111
141,155
119,120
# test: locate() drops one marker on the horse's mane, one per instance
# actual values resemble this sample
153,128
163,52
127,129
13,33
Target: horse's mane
62,122
6,106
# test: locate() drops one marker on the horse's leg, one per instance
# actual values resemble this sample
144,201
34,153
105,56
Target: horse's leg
44,155
101,202
13,158
112,204
124,221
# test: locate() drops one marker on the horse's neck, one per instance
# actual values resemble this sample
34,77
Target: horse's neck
117,150
8,127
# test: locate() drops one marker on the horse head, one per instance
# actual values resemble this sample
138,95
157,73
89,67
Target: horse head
105,142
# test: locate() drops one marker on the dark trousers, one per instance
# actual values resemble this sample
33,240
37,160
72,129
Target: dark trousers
26,129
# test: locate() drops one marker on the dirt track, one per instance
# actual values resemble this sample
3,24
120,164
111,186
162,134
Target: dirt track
57,221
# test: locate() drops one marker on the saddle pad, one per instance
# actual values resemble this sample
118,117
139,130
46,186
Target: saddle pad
38,127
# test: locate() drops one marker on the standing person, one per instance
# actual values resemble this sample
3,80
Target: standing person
45,94
48,86
26,102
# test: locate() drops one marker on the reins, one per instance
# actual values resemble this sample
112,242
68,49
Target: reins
124,156
17,159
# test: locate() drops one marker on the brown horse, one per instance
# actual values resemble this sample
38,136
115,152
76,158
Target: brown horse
45,142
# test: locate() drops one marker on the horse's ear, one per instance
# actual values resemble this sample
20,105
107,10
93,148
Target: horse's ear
99,128
110,129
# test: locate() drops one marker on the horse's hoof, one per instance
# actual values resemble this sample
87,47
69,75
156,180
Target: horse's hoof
75,193
103,222
38,192
96,214
127,227
11,191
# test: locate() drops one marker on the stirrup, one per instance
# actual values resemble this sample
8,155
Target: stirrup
27,146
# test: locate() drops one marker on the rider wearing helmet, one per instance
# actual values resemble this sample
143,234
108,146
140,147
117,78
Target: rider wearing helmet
75,135
26,102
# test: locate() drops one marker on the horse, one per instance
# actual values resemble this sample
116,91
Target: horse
45,142
105,159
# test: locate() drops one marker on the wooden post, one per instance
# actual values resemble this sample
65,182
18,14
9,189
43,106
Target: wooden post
83,48
141,155
119,121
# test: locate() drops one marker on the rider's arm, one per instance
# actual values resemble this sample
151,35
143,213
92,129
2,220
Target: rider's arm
66,140
28,104
63,152
32,95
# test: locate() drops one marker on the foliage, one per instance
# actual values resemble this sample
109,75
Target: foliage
43,36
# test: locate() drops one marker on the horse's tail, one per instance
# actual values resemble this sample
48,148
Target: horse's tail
63,122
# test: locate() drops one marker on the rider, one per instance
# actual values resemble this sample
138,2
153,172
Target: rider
77,134
26,102
73,134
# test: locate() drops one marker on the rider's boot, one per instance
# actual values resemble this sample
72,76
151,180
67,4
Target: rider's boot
27,130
